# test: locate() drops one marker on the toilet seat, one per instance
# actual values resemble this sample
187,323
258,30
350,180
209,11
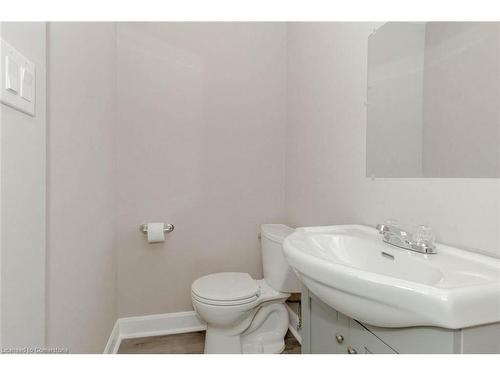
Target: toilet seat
212,302
226,289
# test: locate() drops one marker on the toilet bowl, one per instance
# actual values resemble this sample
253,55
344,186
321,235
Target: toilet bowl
244,315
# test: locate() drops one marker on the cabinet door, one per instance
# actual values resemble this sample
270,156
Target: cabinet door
341,333
364,342
417,340
329,329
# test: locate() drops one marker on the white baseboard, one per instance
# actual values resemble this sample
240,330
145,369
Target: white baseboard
114,340
152,325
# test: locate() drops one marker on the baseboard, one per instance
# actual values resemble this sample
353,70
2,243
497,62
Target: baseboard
114,340
152,325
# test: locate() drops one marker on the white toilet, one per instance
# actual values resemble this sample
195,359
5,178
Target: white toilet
244,315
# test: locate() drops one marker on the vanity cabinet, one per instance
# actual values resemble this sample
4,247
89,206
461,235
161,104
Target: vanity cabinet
327,331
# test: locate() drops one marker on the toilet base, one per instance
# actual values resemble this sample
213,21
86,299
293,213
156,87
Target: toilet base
263,333
220,341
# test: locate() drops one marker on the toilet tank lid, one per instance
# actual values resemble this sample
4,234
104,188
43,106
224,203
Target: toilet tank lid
275,232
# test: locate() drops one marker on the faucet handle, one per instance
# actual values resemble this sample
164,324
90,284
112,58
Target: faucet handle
382,228
424,235
388,226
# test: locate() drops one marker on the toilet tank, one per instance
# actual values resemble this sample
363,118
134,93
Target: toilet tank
277,273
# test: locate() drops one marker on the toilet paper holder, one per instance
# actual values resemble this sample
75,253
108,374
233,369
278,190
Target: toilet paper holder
167,228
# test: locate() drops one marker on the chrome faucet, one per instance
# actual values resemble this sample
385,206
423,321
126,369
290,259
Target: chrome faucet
393,235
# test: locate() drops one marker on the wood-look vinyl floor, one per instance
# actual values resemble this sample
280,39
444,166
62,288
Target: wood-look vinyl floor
184,343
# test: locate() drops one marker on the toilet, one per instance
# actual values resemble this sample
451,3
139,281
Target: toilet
245,315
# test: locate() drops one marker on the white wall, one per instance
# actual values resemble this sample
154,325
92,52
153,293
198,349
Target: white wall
22,203
81,189
199,143
326,150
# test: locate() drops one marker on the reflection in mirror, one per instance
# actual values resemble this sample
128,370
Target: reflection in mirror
433,100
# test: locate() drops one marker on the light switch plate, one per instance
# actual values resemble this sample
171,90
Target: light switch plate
11,75
17,80
27,84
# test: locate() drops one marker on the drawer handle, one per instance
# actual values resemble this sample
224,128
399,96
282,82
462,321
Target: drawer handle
339,338
351,350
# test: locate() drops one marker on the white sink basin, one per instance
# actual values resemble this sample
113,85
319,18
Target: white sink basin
353,271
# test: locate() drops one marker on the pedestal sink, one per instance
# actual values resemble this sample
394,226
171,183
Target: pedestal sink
353,271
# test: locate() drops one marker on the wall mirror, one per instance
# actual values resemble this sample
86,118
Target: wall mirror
433,100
